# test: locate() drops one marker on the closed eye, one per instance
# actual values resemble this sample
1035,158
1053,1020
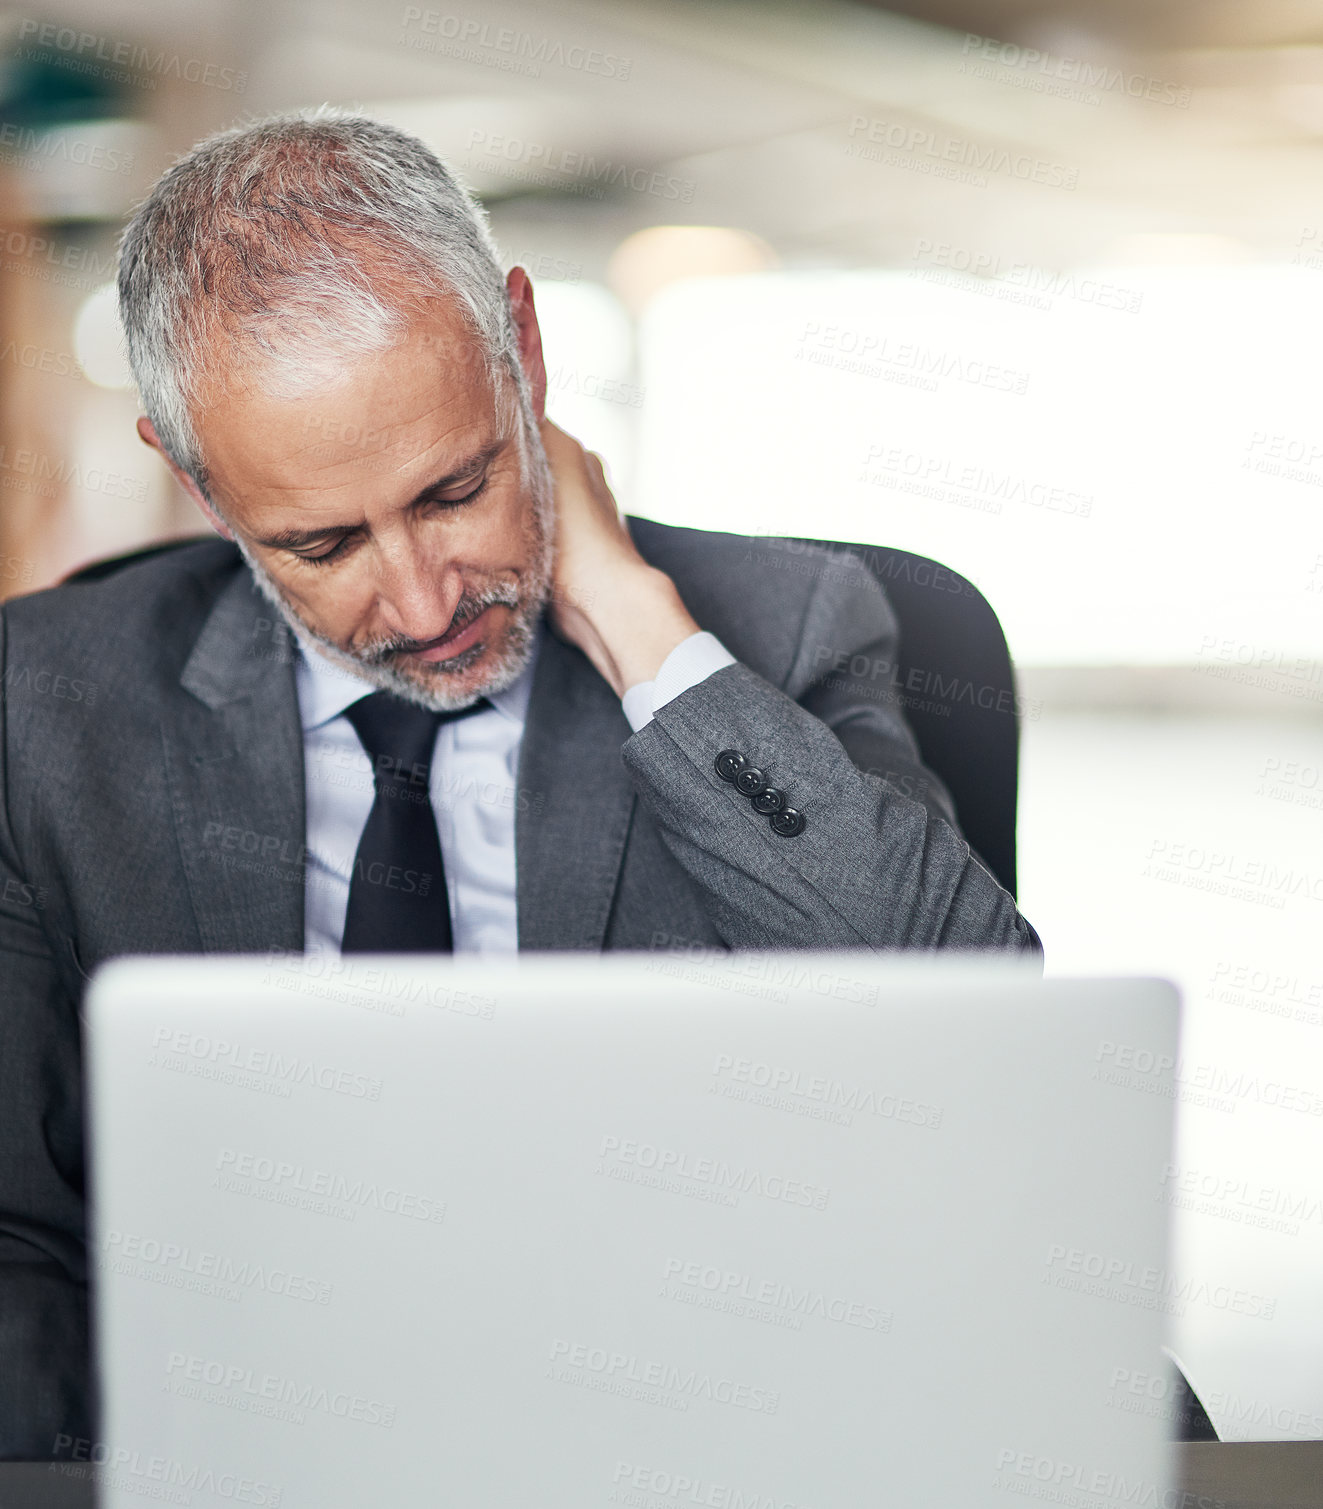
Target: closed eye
475,491
338,549
440,500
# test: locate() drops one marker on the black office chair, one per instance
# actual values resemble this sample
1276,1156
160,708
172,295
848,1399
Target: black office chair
957,689
955,679
95,570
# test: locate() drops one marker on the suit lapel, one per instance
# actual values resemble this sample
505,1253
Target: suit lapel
575,802
234,758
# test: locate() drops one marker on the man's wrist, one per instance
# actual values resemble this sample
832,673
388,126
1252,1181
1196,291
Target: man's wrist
691,662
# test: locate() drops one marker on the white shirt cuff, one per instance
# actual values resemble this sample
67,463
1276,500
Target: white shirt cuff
691,661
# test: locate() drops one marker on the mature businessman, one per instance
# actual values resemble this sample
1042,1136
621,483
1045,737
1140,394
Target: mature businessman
428,689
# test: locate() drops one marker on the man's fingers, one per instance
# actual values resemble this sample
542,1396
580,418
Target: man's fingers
566,454
557,443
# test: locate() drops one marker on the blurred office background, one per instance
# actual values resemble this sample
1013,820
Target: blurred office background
1034,287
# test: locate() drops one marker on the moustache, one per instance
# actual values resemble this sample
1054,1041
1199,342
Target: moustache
468,608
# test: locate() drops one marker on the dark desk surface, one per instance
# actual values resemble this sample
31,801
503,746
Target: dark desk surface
1250,1474
45,1485
1214,1475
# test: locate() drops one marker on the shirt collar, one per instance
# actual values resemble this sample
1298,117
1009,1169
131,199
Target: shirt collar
326,689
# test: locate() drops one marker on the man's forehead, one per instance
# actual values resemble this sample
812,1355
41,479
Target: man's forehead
426,401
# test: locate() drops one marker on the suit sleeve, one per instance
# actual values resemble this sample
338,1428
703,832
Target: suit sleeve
880,862
44,1383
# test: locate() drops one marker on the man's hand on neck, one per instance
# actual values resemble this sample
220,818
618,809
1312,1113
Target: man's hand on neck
625,615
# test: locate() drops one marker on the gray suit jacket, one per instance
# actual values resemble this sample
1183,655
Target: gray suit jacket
152,777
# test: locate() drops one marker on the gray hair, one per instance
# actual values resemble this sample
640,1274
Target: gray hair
300,239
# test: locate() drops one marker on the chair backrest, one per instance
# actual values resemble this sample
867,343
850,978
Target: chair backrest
953,680
956,686
94,571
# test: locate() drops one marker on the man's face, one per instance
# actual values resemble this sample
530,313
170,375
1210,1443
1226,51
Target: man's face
394,517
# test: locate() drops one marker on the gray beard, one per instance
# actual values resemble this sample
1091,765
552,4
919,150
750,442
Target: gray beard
375,665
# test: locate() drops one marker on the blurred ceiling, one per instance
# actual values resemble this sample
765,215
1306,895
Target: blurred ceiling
1133,23
841,133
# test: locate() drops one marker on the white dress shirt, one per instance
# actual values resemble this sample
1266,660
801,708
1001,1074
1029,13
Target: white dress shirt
475,765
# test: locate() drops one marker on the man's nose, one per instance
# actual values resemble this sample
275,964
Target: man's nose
416,599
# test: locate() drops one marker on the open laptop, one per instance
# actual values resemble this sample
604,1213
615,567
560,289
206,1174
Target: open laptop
745,1232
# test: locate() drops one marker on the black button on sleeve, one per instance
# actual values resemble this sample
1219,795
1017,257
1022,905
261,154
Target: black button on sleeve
750,781
765,799
729,763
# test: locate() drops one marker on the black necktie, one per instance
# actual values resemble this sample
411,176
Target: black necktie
397,896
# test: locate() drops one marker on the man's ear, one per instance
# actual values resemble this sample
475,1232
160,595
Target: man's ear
147,431
530,338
